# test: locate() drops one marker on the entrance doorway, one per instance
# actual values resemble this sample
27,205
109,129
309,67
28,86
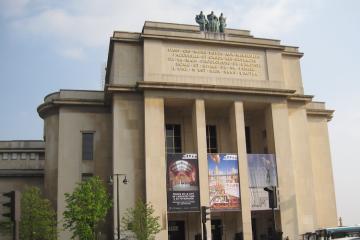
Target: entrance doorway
176,230
216,229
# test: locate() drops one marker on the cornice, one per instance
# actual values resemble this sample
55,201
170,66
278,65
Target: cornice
110,88
44,108
147,85
212,41
297,54
21,173
325,113
300,98
22,150
213,88
116,39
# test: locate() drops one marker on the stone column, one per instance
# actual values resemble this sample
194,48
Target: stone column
278,115
155,162
199,126
301,156
237,124
128,127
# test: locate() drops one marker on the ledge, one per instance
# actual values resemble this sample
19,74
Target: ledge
23,145
120,88
57,100
245,43
185,32
141,86
21,150
301,98
328,114
21,173
213,88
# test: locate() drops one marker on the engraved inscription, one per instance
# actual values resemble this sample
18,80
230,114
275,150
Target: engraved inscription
215,62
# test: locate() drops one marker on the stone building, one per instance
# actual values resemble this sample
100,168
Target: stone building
197,119
21,165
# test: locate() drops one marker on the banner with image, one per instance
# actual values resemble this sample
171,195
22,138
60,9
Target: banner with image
182,183
224,187
262,170
262,173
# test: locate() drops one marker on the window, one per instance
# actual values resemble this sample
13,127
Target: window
248,140
42,156
14,156
87,146
5,156
211,140
173,138
86,176
32,156
23,156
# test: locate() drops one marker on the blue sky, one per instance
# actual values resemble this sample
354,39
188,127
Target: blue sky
47,45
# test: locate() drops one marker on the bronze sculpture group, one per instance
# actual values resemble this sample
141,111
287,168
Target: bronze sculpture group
211,23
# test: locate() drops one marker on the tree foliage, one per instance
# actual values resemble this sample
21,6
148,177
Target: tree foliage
141,221
86,207
38,218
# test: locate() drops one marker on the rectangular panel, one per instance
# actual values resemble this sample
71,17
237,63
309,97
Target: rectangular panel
224,187
259,199
182,182
262,170
211,61
262,173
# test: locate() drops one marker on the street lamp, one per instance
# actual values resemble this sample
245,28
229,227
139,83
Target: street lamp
125,181
271,190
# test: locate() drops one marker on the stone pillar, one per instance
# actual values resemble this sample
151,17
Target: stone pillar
155,162
300,147
237,124
278,115
128,127
199,126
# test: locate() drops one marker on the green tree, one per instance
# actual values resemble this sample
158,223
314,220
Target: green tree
38,218
141,221
86,207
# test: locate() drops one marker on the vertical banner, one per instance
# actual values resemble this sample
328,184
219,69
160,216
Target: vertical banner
262,173
182,183
224,187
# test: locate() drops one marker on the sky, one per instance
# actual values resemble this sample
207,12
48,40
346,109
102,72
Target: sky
47,45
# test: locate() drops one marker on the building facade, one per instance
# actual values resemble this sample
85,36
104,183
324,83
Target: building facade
21,165
197,119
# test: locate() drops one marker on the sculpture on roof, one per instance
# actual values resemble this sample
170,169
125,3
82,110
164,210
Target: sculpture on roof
201,20
222,23
211,23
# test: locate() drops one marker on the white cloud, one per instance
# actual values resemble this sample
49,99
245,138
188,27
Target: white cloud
59,25
84,23
73,53
273,17
12,8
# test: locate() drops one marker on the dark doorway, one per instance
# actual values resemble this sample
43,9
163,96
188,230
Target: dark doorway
216,229
253,225
176,230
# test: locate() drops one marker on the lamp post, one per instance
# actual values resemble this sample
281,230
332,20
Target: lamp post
271,190
125,181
